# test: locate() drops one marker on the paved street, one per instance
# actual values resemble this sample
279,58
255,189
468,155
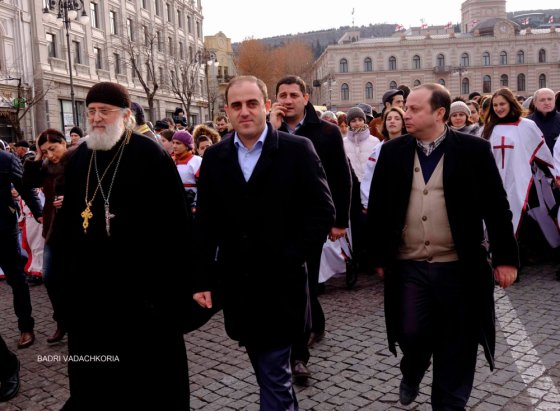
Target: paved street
352,368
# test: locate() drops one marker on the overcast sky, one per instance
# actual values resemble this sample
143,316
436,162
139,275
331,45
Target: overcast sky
241,19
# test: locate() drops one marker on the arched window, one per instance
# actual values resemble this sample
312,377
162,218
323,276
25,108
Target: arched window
440,60
369,91
520,57
503,58
344,92
368,66
487,84
392,63
441,81
416,62
542,81
465,61
393,85
542,56
417,82
504,80
521,82
343,66
485,58
465,86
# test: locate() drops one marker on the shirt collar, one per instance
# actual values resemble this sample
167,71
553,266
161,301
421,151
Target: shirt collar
428,148
298,125
260,142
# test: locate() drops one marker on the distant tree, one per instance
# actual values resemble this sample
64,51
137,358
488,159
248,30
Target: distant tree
184,77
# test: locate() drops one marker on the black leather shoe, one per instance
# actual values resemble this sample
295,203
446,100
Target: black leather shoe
300,371
9,386
407,393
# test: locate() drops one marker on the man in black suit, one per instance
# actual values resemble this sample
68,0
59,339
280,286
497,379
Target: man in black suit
263,200
435,190
293,113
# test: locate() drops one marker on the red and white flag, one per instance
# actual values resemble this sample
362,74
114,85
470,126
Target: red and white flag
551,20
525,21
424,26
399,27
448,25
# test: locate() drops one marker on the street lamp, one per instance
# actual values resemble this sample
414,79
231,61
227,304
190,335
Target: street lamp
331,81
460,70
211,60
67,10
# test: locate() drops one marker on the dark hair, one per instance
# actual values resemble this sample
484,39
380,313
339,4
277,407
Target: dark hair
384,130
440,97
167,134
251,79
52,136
474,94
341,118
77,130
405,89
291,79
492,119
221,117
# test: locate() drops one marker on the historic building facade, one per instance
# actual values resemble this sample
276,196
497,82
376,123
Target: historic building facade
487,52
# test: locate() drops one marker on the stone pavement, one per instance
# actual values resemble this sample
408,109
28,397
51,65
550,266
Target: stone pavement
352,367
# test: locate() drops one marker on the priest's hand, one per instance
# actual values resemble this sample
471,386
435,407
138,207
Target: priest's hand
204,299
505,275
337,233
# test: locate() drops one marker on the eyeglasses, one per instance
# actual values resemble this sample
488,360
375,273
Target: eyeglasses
103,112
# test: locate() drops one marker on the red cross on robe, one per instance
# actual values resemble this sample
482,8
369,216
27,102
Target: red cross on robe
503,148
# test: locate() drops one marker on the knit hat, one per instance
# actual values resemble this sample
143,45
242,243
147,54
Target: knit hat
77,130
459,107
355,112
184,137
108,93
138,113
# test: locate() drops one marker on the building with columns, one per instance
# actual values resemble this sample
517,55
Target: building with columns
487,51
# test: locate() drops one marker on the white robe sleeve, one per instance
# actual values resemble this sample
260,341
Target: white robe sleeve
368,175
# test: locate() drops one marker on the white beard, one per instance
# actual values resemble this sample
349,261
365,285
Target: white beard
104,141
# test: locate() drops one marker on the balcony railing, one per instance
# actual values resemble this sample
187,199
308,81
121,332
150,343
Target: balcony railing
442,69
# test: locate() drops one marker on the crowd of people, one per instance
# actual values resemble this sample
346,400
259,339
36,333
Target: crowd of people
442,198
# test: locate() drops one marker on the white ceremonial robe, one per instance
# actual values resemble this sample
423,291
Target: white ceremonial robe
369,168
516,146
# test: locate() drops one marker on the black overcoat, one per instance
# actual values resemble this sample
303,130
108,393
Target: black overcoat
475,198
254,237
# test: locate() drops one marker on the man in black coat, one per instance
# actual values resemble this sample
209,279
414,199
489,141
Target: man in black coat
11,174
123,299
432,193
263,201
293,113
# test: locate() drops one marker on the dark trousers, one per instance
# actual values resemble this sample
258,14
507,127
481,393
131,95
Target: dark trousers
8,360
53,288
274,376
437,320
300,351
12,265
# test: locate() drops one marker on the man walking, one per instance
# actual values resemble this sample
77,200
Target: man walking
253,251
546,116
428,246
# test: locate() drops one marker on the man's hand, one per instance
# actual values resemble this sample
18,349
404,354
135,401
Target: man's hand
337,233
380,271
505,275
277,113
204,299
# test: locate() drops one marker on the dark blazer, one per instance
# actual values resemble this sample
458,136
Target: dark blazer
253,237
473,194
327,140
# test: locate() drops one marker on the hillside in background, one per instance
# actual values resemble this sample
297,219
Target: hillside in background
319,40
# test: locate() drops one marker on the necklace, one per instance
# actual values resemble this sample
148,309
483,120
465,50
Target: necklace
87,214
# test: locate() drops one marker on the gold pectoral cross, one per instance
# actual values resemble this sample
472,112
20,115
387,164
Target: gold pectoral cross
86,215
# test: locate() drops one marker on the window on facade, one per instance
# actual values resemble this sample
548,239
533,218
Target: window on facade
485,58
97,56
129,29
465,61
189,24
113,22
145,4
158,7
51,44
198,33
67,114
441,81
440,60
169,12
542,56
149,76
465,86
369,91
521,82
179,19
503,58
117,63
392,63
343,66
520,57
159,41
94,15
146,35
486,84
542,81
417,82
181,50
393,85
504,80
345,92
77,52
416,62
170,42
368,66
